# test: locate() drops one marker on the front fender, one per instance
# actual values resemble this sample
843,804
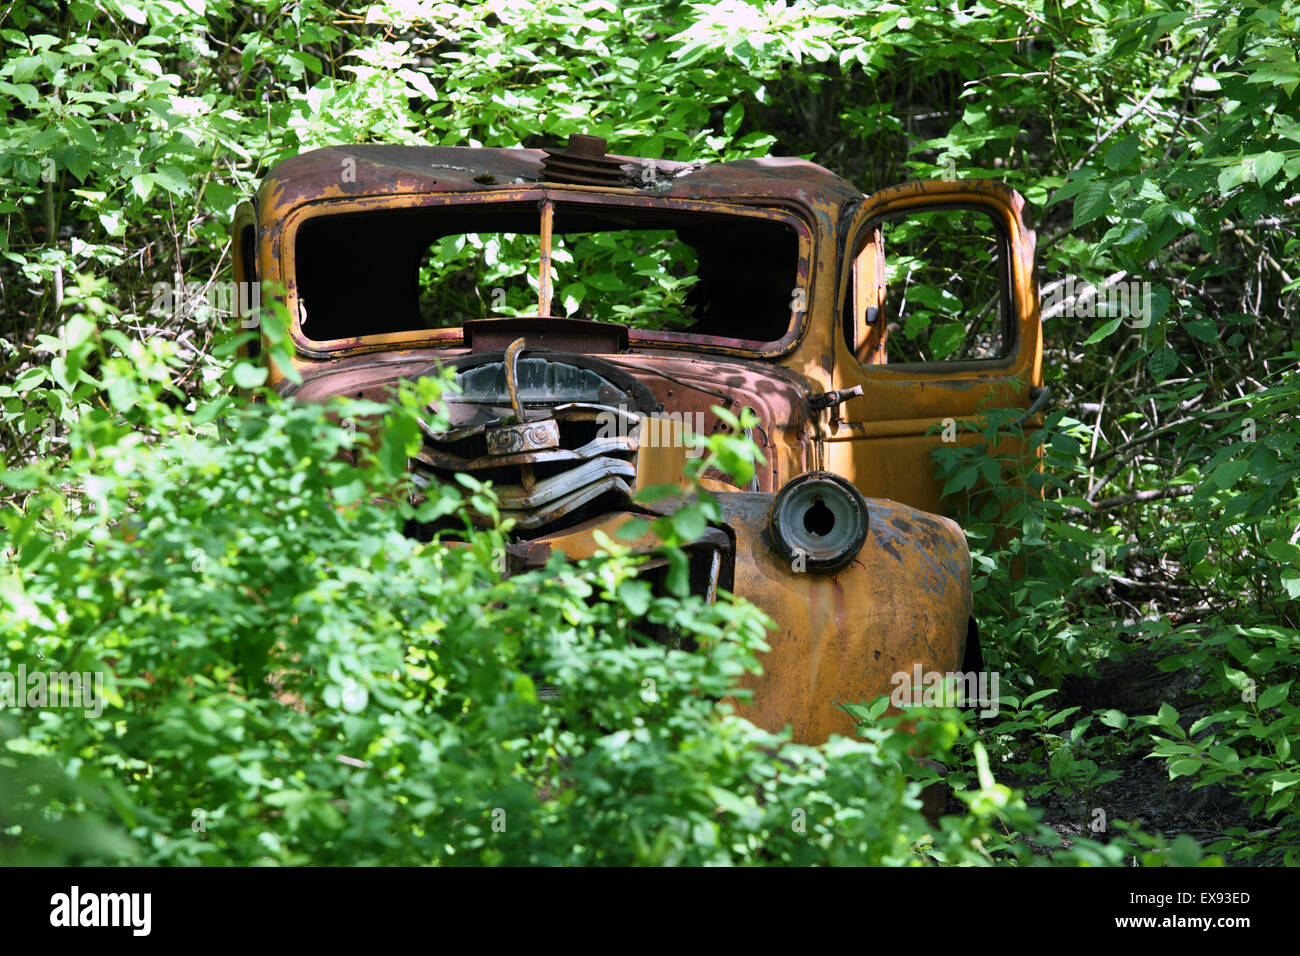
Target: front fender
904,601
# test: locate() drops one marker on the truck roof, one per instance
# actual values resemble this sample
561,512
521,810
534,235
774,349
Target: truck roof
387,170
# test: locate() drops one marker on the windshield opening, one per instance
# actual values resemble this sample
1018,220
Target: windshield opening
660,270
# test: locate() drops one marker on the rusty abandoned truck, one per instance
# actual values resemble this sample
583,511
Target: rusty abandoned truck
570,289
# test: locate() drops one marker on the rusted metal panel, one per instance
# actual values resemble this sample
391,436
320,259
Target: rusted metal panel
360,170
842,638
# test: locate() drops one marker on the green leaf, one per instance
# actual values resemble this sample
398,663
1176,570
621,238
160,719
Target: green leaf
689,522
114,222
732,118
1203,329
636,595
1282,781
171,179
78,162
1232,176
25,68
1283,551
1208,720
1266,166
1069,190
1115,718
1161,362
652,493
1123,152
1274,695
1230,472
1185,851
571,297
946,339
678,579
78,330
1107,329
605,282
1167,717
1279,802
29,379
133,13
1093,201
248,375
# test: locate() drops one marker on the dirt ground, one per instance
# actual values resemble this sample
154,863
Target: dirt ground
1143,794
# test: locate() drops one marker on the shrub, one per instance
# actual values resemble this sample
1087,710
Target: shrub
290,679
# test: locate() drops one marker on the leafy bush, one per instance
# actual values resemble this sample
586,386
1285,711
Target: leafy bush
1245,739
1049,580
290,679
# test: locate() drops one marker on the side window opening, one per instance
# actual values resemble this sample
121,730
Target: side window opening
931,287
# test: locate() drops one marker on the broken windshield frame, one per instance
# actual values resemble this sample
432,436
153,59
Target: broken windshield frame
361,287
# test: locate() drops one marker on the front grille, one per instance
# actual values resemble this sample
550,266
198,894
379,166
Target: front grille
543,470
557,436
553,434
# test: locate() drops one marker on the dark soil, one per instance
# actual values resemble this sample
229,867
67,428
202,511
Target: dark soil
1143,794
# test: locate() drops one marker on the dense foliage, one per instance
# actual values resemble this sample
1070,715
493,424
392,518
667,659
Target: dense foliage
1155,142
294,680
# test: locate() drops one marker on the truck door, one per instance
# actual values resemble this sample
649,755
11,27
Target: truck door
939,320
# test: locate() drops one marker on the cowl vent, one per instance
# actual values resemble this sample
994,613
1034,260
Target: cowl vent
583,163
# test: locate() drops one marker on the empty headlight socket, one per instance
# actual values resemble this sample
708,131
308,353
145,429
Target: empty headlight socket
818,522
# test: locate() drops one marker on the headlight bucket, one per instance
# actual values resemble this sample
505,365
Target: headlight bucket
818,520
